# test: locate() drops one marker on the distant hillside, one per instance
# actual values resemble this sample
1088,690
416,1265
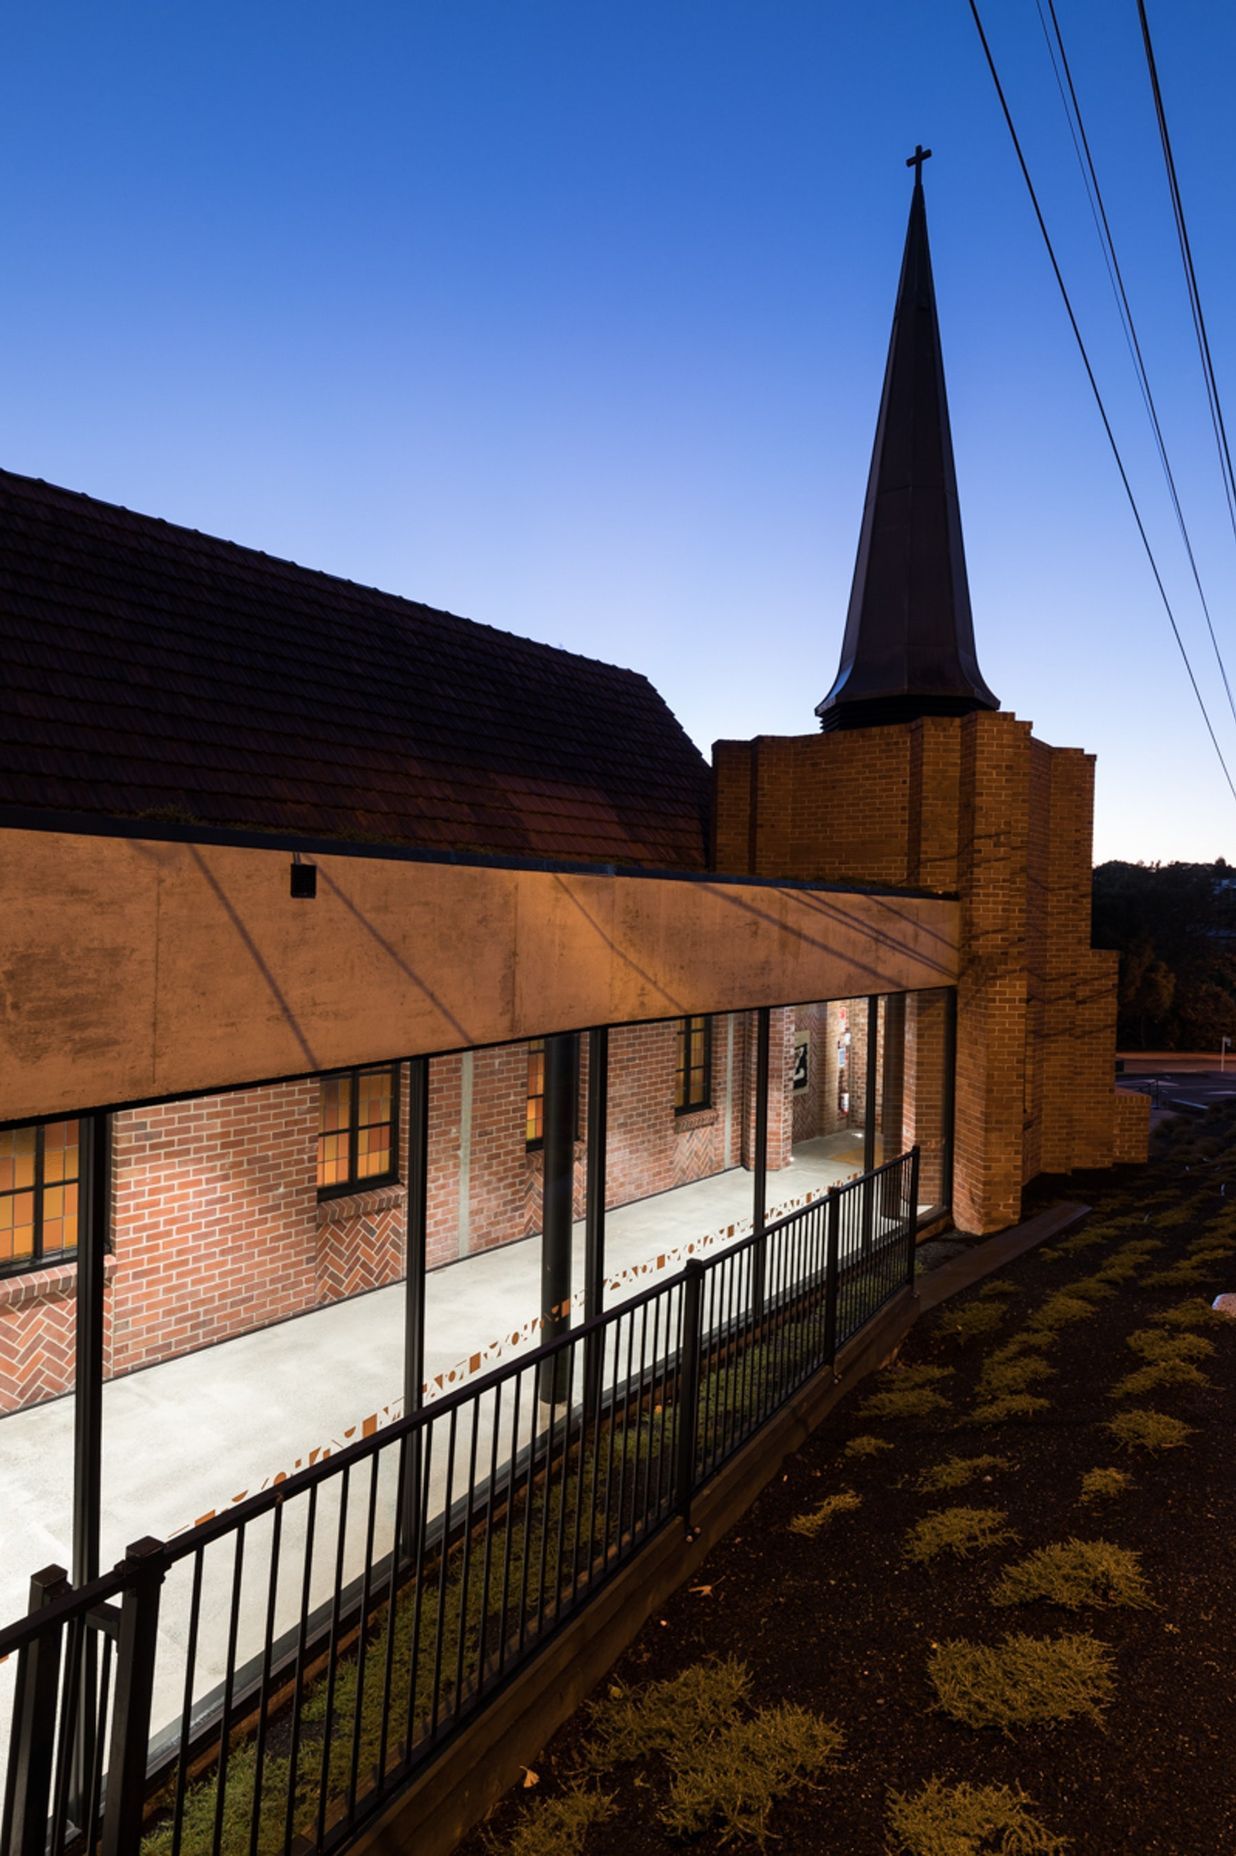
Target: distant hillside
1175,928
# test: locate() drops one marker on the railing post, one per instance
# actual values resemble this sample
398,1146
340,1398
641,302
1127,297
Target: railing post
135,1668
32,1744
912,1217
832,1268
688,1400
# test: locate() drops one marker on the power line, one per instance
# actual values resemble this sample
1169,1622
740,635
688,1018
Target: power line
1195,300
1098,397
1094,194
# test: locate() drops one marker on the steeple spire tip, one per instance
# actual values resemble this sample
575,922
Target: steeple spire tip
908,649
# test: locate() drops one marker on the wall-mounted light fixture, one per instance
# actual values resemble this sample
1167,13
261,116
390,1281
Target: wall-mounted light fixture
304,878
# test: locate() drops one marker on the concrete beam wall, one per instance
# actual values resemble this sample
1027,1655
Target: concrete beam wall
132,969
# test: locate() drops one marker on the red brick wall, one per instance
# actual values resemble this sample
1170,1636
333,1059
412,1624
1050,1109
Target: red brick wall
38,1334
218,1228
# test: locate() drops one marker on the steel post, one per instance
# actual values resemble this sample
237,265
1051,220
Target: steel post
414,1286
594,1215
135,1667
32,1738
760,1205
557,1208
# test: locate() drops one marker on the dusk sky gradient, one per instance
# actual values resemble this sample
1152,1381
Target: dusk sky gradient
572,318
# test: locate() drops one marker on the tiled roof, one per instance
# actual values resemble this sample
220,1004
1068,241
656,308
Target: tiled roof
149,671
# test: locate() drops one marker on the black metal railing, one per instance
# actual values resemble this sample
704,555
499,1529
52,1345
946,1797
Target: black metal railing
272,1675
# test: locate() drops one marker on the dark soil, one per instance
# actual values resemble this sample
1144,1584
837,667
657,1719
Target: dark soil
842,1624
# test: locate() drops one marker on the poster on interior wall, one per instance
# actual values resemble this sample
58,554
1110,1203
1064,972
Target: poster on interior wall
802,1062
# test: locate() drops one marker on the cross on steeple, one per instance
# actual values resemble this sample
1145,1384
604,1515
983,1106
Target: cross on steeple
916,161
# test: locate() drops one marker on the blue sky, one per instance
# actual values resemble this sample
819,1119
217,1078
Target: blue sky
572,318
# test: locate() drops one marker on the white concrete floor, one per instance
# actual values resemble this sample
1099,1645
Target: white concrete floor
188,1436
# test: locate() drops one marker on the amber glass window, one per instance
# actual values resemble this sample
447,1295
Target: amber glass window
358,1117
38,1194
693,1084
535,1122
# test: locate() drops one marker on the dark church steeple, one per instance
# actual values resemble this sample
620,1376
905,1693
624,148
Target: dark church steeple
909,637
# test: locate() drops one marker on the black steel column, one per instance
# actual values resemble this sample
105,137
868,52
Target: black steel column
869,1118
949,1128
94,1220
594,1217
414,1284
870,1085
894,1089
93,1244
759,1209
557,1205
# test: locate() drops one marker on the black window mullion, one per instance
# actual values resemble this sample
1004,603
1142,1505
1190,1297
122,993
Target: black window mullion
353,1120
36,1253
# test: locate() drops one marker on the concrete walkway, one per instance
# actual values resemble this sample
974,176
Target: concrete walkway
187,1437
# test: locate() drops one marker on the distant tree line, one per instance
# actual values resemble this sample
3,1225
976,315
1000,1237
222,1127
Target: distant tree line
1175,928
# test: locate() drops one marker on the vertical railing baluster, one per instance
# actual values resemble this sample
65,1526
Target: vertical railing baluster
832,1272
229,1679
422,1466
186,1708
362,1640
496,1425
689,1387
332,1653
568,1395
392,1602
259,1752
444,1539
626,1428
67,1737
504,1629
466,1566
298,1692
95,1793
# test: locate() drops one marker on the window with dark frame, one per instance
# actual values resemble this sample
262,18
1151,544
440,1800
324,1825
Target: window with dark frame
693,1082
39,1176
534,1120
358,1118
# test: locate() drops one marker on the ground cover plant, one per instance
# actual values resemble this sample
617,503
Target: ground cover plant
844,1501
957,1530
953,1472
1111,1713
1074,1573
1101,1484
967,1820
866,1445
1022,1680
